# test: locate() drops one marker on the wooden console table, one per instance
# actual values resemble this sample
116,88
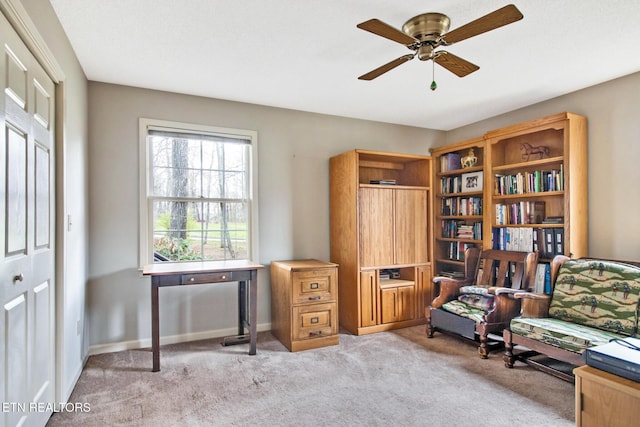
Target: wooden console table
207,272
604,399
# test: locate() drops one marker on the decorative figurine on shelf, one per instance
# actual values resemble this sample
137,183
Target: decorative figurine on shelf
469,160
528,150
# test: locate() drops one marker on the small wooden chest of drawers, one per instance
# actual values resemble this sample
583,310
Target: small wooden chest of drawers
304,303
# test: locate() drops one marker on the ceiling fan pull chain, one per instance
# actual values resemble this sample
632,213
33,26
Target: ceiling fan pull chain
433,86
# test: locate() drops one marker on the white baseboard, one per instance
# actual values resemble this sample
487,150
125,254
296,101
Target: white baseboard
172,339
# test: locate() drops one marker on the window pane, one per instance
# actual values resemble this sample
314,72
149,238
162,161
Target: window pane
200,230
192,167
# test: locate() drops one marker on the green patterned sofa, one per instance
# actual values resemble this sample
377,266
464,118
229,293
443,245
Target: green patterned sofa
593,301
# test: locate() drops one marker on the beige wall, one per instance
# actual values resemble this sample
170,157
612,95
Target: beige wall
613,111
293,162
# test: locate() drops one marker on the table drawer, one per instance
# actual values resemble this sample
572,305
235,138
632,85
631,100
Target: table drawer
196,278
313,321
314,286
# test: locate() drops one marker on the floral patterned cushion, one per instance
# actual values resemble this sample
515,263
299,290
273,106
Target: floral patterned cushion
598,294
558,333
476,290
478,301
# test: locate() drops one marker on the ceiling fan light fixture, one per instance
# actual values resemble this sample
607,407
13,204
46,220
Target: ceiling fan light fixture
425,52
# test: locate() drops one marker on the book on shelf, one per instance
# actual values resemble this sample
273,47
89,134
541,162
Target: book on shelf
538,286
547,279
542,284
450,162
462,206
522,212
383,181
452,274
450,184
529,182
456,250
553,220
548,242
558,237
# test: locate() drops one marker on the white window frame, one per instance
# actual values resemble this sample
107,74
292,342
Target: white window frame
146,211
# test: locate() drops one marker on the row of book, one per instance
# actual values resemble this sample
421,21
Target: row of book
522,212
450,162
529,182
451,184
542,283
548,242
456,250
460,230
461,206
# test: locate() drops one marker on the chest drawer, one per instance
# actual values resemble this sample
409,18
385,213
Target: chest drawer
313,321
313,286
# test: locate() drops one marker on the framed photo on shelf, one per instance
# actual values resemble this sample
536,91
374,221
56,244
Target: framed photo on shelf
472,181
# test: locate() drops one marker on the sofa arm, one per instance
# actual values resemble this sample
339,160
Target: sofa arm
534,305
449,289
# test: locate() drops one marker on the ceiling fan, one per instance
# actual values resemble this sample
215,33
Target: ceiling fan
426,32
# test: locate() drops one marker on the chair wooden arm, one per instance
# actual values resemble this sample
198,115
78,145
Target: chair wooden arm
494,290
449,289
534,305
505,306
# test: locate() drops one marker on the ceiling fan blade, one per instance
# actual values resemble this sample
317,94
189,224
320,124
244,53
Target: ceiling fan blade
493,20
458,66
381,29
386,67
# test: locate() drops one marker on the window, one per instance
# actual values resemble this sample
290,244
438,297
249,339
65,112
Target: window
197,192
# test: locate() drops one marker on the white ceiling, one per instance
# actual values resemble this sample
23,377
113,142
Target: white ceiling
307,54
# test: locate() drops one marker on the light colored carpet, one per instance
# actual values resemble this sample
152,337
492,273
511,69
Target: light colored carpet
396,378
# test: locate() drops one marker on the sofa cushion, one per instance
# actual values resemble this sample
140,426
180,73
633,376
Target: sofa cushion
478,301
558,333
598,294
476,290
464,310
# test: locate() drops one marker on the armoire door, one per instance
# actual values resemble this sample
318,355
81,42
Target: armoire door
27,217
411,230
375,207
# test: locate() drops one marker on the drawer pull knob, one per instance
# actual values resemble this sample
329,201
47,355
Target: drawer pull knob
18,278
314,285
192,279
315,298
224,277
315,320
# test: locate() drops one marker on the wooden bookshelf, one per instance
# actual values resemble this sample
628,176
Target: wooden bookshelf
456,210
535,172
542,162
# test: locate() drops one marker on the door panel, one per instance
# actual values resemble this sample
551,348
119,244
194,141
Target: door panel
411,226
16,387
376,226
43,198
368,298
27,288
16,210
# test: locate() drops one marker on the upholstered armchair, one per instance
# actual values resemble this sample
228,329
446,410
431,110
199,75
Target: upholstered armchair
483,301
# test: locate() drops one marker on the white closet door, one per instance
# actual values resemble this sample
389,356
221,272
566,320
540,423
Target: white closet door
26,234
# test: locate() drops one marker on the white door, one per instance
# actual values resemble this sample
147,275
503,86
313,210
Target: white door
26,235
